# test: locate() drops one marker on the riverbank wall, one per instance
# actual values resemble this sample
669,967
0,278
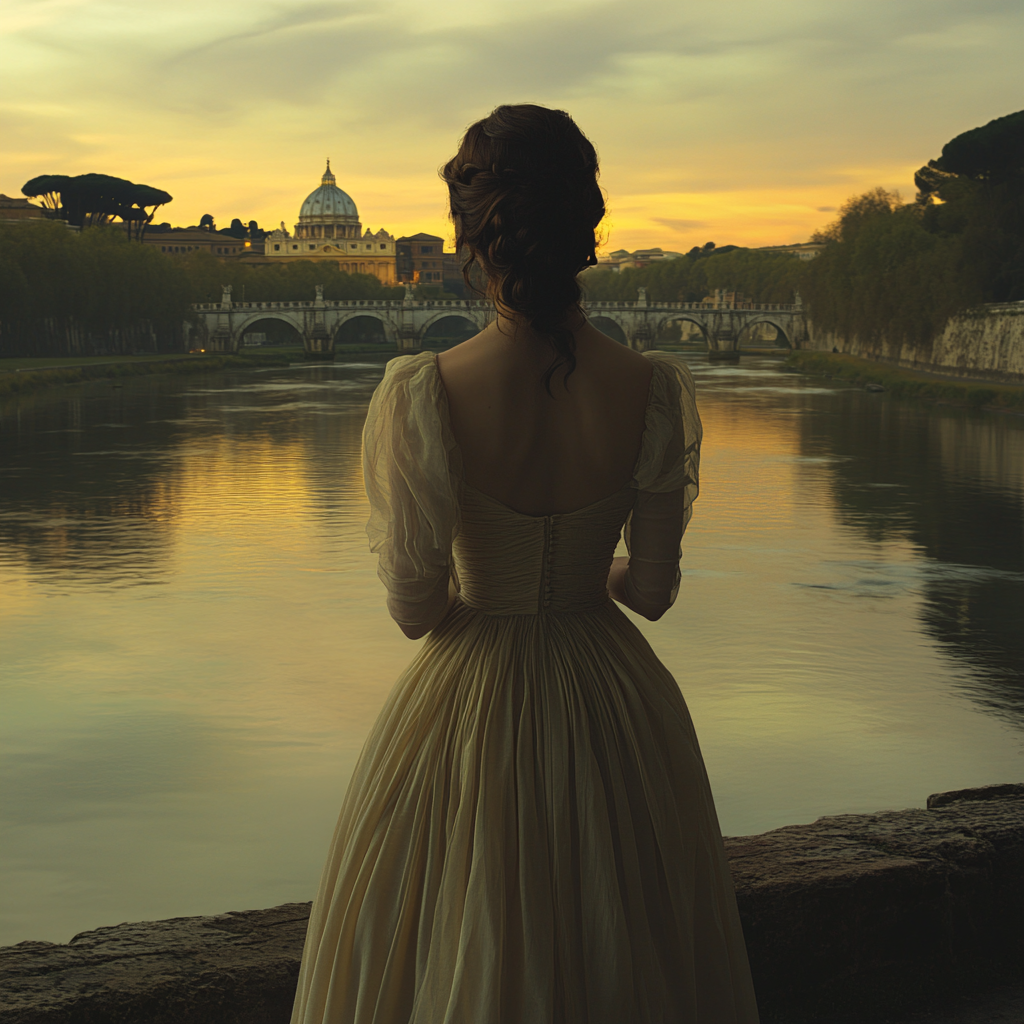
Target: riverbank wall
853,917
986,343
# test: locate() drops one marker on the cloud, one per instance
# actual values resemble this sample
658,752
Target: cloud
234,105
678,224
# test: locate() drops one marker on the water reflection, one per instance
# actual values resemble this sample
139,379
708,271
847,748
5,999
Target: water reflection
195,642
97,483
952,483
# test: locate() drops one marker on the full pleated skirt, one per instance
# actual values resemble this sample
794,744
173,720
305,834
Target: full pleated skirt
528,838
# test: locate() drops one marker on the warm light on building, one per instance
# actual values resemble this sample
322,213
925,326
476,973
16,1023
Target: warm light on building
329,230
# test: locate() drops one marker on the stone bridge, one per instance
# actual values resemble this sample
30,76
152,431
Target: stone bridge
405,322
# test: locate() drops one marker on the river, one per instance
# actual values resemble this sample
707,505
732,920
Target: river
193,641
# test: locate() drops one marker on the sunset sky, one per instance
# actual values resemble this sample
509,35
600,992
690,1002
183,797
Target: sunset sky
735,121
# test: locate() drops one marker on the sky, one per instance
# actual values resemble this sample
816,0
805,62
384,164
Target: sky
734,121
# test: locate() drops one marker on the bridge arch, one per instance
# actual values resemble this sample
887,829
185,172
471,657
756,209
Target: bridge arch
611,326
783,339
473,316
449,328
341,319
263,316
672,318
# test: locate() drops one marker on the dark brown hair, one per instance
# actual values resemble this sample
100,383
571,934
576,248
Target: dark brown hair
525,203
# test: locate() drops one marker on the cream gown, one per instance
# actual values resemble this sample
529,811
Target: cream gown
529,836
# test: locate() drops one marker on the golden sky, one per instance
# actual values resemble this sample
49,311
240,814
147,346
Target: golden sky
735,121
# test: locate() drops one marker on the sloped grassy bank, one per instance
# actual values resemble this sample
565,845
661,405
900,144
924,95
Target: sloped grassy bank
907,383
15,380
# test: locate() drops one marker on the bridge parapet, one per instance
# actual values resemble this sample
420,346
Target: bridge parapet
406,321
702,306
348,304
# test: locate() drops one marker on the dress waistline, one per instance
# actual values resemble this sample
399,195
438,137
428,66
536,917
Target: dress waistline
487,608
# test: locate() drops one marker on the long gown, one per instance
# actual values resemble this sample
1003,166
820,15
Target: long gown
529,835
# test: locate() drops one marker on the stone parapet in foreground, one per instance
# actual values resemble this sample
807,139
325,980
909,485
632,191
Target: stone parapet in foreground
849,914
871,911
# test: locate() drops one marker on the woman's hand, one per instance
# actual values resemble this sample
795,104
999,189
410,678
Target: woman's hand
617,580
617,591
421,629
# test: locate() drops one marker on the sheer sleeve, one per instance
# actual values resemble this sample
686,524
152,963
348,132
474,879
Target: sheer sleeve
412,487
667,480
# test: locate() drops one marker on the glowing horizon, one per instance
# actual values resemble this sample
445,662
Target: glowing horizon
730,123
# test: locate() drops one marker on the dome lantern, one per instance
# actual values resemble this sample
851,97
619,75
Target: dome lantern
328,204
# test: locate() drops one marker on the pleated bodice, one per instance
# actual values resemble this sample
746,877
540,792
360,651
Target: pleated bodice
509,563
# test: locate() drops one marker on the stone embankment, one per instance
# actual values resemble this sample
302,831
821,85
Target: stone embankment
985,343
856,916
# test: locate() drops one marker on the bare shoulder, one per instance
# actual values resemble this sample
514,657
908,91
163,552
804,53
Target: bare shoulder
466,355
613,356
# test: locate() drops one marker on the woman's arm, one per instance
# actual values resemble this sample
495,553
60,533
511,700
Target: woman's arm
418,621
619,590
648,580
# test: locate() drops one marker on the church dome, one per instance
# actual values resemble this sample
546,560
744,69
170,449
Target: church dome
327,201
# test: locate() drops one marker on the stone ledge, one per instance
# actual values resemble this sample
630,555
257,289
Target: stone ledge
848,915
870,911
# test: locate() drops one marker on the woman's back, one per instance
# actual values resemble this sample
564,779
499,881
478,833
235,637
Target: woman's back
545,453
529,834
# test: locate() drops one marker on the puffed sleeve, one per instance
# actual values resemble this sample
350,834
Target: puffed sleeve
412,486
667,481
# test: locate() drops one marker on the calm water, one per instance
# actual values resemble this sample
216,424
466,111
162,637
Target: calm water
194,642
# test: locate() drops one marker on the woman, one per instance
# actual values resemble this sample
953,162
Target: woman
529,836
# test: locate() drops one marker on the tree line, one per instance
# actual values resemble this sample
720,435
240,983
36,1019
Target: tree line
898,270
95,292
764,277
87,200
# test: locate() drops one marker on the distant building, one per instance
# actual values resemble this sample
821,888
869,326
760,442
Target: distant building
621,259
420,259
329,230
179,241
805,250
14,208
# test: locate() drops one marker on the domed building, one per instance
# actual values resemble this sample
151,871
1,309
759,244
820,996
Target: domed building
329,229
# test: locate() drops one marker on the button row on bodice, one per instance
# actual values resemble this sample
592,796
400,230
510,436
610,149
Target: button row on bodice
513,564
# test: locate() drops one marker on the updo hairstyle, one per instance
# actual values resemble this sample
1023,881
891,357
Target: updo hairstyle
525,203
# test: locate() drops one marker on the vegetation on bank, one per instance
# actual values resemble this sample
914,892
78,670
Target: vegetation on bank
287,281
96,278
903,383
764,277
95,292
899,271
19,382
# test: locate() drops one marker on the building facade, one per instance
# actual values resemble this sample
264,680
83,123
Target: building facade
178,241
329,230
420,259
15,208
623,260
803,250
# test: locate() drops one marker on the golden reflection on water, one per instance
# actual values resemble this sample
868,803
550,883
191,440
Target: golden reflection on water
195,641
